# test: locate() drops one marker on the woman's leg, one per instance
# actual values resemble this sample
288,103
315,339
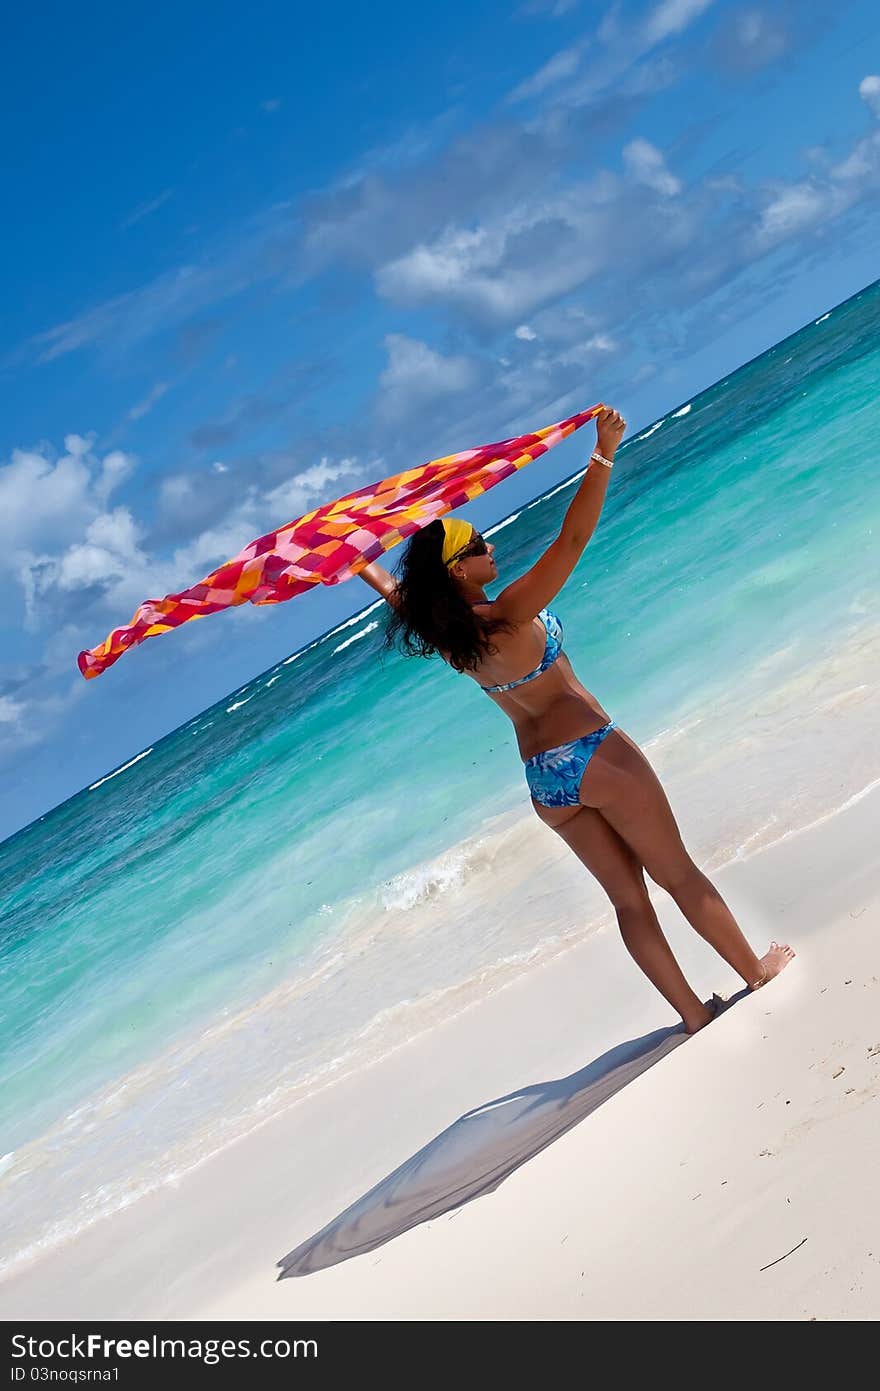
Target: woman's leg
620,783
617,869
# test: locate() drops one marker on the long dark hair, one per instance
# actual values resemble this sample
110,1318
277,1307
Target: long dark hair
432,615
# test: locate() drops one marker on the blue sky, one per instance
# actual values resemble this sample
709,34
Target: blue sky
258,256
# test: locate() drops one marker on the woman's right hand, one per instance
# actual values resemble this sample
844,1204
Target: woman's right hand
610,429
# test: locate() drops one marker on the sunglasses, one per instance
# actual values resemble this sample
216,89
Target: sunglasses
476,546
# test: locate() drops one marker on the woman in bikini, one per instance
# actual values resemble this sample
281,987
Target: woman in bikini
588,780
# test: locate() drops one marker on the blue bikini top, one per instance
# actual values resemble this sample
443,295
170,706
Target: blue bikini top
552,649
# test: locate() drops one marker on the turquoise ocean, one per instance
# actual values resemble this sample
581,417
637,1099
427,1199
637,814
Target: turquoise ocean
342,853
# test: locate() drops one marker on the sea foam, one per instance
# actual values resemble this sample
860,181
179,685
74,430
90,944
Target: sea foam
130,764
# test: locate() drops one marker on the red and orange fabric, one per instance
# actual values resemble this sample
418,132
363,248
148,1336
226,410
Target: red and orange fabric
336,540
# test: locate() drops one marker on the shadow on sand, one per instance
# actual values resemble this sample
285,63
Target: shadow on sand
478,1152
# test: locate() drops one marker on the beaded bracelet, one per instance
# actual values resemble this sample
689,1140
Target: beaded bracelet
600,459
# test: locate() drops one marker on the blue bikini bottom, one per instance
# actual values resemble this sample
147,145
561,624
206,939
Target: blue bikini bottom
554,777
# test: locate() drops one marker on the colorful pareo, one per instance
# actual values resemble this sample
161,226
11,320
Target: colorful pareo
336,540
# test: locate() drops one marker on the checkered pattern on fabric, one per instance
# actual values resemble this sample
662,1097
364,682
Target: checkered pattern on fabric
336,540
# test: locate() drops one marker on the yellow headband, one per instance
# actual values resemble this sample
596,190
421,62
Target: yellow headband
458,533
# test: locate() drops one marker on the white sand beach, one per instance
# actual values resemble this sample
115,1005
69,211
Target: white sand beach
672,1200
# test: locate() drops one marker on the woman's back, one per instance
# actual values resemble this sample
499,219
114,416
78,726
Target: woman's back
511,649
548,704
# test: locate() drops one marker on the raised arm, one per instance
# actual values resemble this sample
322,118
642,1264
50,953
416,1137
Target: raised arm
380,580
525,597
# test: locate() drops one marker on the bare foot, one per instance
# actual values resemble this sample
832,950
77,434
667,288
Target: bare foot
701,1017
776,960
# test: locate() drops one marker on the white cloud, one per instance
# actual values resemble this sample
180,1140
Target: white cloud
562,65
672,17
58,539
79,445
416,375
109,548
755,33
609,28
256,513
645,163
128,319
869,91
812,203
145,209
45,502
115,469
602,343
84,566
435,270
585,352
107,559
11,710
565,324
859,171
312,485
214,545
176,491
726,183
508,265
528,335
530,253
143,407
25,724
578,82
116,531
253,514
793,209
644,373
